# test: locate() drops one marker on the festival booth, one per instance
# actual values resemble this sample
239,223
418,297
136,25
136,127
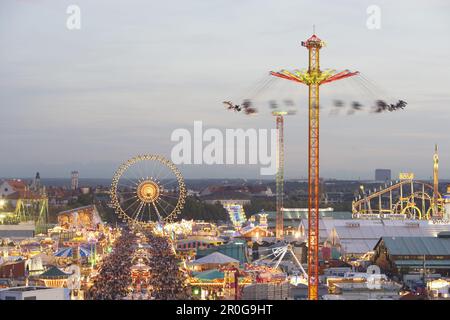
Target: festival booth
82,230
30,247
236,249
45,259
265,274
13,269
72,252
196,243
34,265
216,284
48,243
211,261
207,284
254,232
54,278
11,253
80,218
140,275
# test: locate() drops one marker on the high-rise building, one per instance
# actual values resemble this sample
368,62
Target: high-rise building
382,175
74,180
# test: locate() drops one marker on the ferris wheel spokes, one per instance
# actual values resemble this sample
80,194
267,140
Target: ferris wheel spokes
141,196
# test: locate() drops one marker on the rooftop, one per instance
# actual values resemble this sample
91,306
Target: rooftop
417,245
29,288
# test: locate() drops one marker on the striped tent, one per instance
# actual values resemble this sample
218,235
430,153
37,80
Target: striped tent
69,252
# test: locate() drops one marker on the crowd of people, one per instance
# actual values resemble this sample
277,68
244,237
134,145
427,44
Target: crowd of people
113,281
167,281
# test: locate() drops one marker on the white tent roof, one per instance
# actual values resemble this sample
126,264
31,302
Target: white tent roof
215,258
45,259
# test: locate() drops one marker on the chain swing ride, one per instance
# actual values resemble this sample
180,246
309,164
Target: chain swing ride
313,77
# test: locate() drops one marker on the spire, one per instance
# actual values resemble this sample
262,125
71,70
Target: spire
36,184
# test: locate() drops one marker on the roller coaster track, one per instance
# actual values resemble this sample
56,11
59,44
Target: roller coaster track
397,207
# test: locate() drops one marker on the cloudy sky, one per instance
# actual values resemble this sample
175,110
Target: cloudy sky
89,99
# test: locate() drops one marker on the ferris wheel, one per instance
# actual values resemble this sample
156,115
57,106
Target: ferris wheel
148,189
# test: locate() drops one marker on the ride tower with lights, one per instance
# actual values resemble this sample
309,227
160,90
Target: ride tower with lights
313,77
280,173
435,180
279,116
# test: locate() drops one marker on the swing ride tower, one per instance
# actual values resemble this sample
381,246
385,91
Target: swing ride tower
313,77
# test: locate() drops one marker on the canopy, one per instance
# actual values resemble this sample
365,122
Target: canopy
54,273
68,252
31,244
215,258
209,275
46,259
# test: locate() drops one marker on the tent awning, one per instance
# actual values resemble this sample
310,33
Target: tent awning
215,258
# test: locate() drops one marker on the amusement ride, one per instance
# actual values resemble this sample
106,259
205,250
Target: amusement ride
405,198
148,189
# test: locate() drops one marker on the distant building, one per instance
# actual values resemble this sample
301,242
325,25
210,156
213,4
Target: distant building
334,197
74,180
36,185
382,175
11,186
234,193
85,190
58,196
12,190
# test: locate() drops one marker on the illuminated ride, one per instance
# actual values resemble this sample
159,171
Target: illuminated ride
148,189
406,199
236,213
280,114
313,77
276,255
414,199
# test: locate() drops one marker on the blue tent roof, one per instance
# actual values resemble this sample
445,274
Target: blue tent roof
68,252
